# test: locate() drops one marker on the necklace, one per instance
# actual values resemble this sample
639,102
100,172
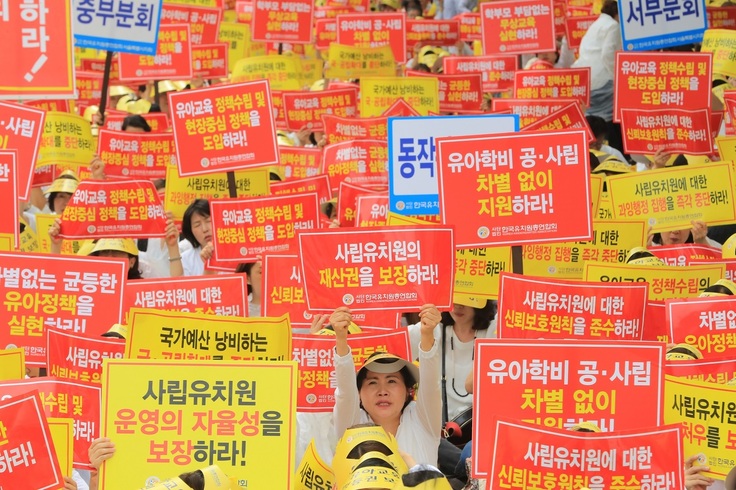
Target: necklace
472,358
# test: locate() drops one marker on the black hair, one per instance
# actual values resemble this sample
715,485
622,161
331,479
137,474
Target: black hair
113,335
366,447
715,288
424,68
409,380
154,108
416,478
195,479
598,126
133,272
374,462
610,7
481,319
198,206
53,195
594,162
136,121
657,238
642,254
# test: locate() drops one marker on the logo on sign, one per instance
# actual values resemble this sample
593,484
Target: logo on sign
483,232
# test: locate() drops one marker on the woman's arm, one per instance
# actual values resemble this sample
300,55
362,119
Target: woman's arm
429,399
176,269
347,399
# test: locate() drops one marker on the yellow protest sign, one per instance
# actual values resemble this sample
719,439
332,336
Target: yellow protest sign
665,282
378,94
393,219
181,335
43,223
612,240
346,62
596,189
477,270
238,38
66,138
721,43
605,207
214,478
12,364
7,242
282,72
62,433
671,198
169,416
196,3
181,191
727,148
706,413
312,471
28,240
311,71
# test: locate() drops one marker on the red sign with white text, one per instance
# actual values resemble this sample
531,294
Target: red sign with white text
569,117
306,108
386,268
315,356
173,59
684,254
244,229
497,71
707,323
38,53
347,202
515,188
518,26
646,80
9,194
221,128
319,184
672,130
569,83
283,290
433,32
554,308
470,26
113,209
158,121
78,357
374,29
43,291
721,17
65,399
651,457
325,33
576,27
530,110
729,263
204,22
282,21
338,129
29,459
136,155
617,385
371,211
299,162
457,93
20,130
89,87
210,60
361,162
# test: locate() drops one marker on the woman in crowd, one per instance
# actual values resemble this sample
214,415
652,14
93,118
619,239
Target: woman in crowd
196,227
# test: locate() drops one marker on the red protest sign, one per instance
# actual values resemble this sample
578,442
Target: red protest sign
433,32
210,60
331,12
655,327
729,263
339,129
576,27
50,105
99,66
28,454
371,210
299,162
158,121
559,7
617,385
720,17
319,184
569,117
173,59
470,27
719,371
204,22
37,54
306,108
63,292
374,29
244,229
347,199
553,308
390,268
65,399
707,323
518,26
522,452
457,93
315,356
78,357
244,10
684,254
283,290
20,129
661,81
361,162
325,33
671,130
136,155
530,110
400,108
528,188
356,5
227,127
569,83
113,209
282,21
89,87
9,194
497,71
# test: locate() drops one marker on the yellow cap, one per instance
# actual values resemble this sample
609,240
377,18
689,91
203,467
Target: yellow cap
278,170
122,104
140,106
722,287
729,248
168,86
642,256
118,90
126,245
328,330
283,139
170,484
428,59
585,427
394,4
370,437
373,470
215,478
469,300
119,329
614,166
89,112
66,182
86,247
683,352
318,85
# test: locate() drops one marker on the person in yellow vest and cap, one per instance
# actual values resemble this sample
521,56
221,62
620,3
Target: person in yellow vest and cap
61,190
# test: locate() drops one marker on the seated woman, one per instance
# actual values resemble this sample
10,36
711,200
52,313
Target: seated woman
382,392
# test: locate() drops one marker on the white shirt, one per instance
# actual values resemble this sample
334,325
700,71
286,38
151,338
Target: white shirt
192,262
598,50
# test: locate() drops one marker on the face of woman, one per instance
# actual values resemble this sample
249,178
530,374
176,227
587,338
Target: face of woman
118,254
61,199
383,396
674,237
202,228
254,278
463,315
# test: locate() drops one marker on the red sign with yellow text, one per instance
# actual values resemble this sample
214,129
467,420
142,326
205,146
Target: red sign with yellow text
61,292
497,71
319,184
457,93
339,129
20,130
204,22
299,162
385,268
78,357
569,83
361,162
210,60
617,385
528,188
721,17
89,87
173,59
671,130
685,253
371,211
136,155
113,209
282,21
227,127
306,108
9,195
38,53
432,31
347,202
518,26
553,308
706,323
576,27
470,26
247,228
374,29
569,117
325,33
530,110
